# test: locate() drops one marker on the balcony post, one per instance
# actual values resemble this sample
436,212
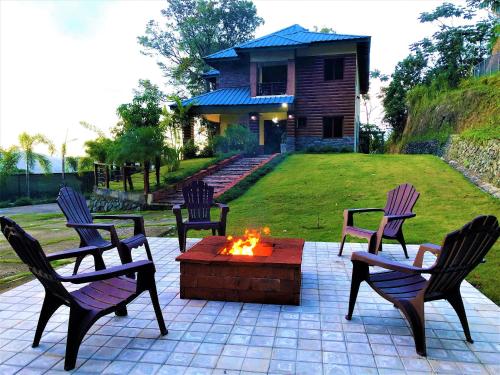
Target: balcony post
290,78
253,79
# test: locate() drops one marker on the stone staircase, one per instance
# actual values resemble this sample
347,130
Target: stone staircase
223,179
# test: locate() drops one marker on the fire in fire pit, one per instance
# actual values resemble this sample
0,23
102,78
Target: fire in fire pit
250,244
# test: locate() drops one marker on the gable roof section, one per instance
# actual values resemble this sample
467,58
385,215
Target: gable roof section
294,35
236,96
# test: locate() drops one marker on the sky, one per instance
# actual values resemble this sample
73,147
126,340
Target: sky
62,62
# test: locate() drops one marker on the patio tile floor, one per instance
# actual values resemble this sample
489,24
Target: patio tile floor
210,337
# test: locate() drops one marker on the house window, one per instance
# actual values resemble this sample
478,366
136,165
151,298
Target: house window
334,69
333,127
301,122
272,80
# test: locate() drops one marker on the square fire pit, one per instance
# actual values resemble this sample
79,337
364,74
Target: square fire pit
273,275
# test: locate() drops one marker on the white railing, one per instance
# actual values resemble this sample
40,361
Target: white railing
487,66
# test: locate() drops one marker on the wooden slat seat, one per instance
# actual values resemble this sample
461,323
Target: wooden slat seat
399,206
198,200
107,290
408,290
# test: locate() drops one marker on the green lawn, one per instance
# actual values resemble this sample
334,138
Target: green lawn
307,189
187,168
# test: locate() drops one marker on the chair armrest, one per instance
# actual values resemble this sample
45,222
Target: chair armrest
107,227
138,221
361,210
399,217
349,213
419,259
122,270
72,253
222,206
376,260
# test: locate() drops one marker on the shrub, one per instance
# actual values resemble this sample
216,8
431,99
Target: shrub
189,150
237,138
23,201
321,150
172,158
209,150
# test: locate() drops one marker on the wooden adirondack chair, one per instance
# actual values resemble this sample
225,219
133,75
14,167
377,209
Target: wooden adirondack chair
78,216
199,199
404,286
108,290
399,206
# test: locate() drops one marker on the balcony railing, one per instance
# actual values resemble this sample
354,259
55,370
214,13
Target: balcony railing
271,88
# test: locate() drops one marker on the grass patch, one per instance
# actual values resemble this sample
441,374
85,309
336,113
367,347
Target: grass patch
241,187
306,195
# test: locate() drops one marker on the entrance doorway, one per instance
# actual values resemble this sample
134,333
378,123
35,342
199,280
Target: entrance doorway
273,135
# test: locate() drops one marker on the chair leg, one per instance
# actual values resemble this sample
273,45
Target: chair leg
99,261
184,240
372,244
359,274
148,250
342,244
49,307
222,230
455,300
78,325
214,231
414,312
77,264
401,240
156,305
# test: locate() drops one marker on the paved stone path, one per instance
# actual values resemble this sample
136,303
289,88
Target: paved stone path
48,208
223,178
209,337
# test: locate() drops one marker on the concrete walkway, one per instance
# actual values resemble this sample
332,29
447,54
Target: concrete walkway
210,337
48,208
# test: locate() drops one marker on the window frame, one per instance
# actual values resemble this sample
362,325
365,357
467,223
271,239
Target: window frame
330,72
331,133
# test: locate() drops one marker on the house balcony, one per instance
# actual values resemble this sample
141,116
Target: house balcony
271,88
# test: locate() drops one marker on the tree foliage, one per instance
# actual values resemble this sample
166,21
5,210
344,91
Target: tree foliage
192,29
442,60
8,162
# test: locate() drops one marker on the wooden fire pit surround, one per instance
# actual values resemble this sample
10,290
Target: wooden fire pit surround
274,278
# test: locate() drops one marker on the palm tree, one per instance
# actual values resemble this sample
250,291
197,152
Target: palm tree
27,144
63,153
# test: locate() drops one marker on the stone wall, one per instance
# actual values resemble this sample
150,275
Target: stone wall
424,147
302,142
104,200
480,159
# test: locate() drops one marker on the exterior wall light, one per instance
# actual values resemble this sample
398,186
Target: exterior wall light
275,120
253,117
291,116
284,105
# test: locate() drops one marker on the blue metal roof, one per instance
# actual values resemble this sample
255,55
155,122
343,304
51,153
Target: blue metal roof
211,73
236,96
294,35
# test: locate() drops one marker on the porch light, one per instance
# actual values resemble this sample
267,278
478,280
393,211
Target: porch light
275,120
284,105
291,116
253,118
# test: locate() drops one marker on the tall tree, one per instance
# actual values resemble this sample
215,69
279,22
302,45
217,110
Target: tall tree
64,150
27,144
143,112
193,29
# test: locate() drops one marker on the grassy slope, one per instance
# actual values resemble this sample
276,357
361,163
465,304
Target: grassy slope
306,187
435,114
187,168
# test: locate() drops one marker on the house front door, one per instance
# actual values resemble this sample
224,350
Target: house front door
273,135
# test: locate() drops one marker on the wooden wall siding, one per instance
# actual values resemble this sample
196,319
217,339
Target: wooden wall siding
316,98
290,83
234,73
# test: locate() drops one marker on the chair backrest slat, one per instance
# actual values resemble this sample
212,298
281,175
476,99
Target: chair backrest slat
400,200
74,208
461,252
30,252
198,199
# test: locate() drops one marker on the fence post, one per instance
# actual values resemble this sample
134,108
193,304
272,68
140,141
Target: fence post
96,179
124,176
107,176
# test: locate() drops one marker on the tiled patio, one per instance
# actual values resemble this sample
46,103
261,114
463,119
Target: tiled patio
234,338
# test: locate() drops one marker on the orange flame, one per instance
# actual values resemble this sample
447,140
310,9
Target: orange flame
246,244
